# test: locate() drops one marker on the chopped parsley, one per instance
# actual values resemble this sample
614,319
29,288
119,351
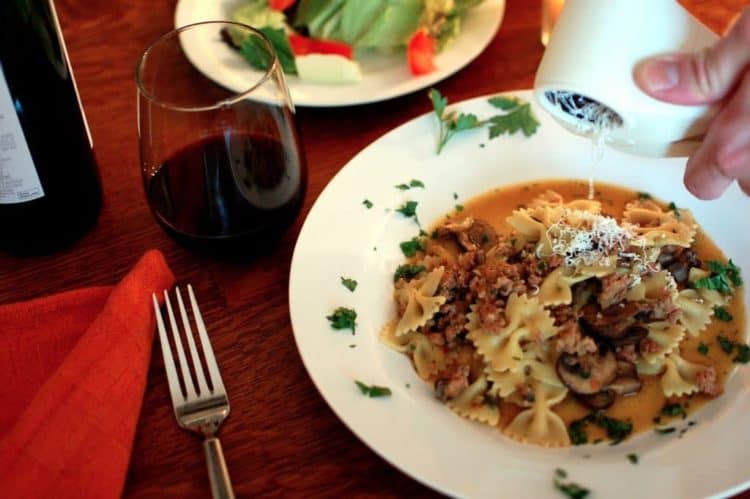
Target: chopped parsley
617,429
633,458
665,431
343,318
674,410
723,278
352,346
644,195
726,344
723,314
455,196
561,473
703,348
373,391
408,385
459,207
408,272
729,346
577,432
450,122
367,203
349,284
413,183
408,209
743,354
410,248
572,489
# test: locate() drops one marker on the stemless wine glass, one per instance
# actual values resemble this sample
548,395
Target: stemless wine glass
223,170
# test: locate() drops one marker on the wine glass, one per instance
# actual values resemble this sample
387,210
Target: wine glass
223,171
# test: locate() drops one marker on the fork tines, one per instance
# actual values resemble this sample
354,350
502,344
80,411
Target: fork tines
189,381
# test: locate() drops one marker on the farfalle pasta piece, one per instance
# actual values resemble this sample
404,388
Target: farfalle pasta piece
421,302
556,287
397,343
713,297
680,376
470,403
506,382
553,199
539,424
652,287
696,311
527,321
664,335
428,358
656,227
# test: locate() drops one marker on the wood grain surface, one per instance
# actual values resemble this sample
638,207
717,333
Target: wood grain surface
281,439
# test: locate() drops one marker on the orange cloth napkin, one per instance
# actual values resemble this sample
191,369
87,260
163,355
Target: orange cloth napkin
72,375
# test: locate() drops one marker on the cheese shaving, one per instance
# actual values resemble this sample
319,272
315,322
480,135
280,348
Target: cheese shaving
584,238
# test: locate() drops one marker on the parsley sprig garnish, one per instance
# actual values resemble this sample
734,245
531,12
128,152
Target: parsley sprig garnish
343,318
373,391
517,116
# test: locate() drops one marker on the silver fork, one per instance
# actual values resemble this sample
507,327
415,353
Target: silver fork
201,411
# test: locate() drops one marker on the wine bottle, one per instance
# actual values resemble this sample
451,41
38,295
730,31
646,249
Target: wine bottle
50,193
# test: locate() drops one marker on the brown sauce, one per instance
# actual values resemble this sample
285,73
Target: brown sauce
641,408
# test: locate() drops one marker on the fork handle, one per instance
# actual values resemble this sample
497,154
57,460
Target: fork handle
221,485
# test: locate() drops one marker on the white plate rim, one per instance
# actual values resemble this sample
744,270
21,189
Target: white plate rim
453,59
739,385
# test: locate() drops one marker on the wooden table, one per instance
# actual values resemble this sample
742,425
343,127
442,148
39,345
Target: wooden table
281,439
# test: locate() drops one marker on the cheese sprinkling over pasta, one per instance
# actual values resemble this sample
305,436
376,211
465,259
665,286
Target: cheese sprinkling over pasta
584,238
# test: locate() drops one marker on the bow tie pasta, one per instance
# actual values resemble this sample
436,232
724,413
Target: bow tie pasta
547,314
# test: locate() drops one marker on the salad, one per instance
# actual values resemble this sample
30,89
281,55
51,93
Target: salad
322,41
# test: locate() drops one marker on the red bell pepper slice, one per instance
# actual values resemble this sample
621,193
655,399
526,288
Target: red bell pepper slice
302,45
421,53
280,4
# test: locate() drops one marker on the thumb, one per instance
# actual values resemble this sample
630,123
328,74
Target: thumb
700,78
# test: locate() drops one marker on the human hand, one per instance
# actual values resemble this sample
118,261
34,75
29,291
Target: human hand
721,75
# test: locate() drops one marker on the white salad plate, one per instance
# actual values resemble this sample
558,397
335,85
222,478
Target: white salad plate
383,77
413,430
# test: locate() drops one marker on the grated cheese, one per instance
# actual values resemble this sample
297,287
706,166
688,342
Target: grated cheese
584,238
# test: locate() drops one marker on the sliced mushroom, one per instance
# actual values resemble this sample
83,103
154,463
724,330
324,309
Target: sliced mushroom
625,368
598,401
587,374
626,385
481,234
632,336
611,323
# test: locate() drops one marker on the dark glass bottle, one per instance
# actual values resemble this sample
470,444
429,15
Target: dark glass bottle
50,193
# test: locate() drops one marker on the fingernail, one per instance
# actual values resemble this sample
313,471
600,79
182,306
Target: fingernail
661,74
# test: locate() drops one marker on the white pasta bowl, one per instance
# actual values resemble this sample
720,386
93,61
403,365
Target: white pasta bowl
414,431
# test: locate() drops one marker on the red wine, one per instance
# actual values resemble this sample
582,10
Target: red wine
229,192
49,184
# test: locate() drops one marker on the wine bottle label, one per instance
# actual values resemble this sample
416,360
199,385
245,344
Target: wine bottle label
19,181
